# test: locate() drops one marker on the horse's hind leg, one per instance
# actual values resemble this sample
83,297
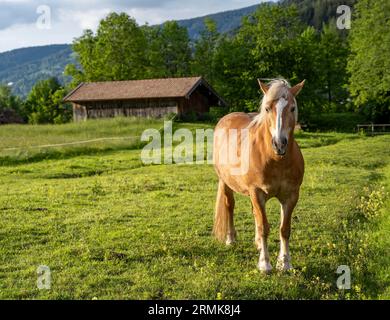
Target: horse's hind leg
224,229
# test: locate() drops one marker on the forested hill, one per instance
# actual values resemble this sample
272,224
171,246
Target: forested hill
24,67
226,21
317,12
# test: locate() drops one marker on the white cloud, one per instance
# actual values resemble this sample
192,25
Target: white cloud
25,35
14,1
84,19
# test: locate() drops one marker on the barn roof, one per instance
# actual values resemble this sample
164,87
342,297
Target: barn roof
138,89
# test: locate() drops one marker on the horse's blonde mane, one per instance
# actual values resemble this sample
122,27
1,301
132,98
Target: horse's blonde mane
278,88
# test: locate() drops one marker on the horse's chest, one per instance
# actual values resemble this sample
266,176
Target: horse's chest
274,183
274,188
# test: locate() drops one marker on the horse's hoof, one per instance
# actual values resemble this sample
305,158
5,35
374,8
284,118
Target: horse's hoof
265,267
230,239
283,264
230,242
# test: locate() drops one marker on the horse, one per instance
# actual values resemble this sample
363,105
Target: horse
274,167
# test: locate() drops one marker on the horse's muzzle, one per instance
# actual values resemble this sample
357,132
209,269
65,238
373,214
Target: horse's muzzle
280,145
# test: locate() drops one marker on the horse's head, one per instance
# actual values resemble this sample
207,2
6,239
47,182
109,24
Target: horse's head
279,112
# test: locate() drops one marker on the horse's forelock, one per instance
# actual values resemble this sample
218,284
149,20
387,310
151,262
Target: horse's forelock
278,88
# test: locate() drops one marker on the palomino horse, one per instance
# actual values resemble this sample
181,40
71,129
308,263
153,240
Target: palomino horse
274,167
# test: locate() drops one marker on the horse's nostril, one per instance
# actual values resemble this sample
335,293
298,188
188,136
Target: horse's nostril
284,141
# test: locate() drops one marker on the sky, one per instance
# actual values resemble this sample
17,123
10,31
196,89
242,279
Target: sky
25,23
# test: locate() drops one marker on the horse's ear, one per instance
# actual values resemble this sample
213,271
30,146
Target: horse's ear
297,88
264,88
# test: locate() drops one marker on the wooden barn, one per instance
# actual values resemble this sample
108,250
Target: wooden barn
143,98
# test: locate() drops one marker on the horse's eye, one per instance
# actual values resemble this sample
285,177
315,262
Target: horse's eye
267,109
293,109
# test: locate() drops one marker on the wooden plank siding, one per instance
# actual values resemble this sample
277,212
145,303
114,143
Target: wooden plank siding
154,108
197,103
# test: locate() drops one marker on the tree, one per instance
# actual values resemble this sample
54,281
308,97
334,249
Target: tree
308,55
334,52
84,47
272,31
8,100
205,47
11,107
169,51
232,66
320,58
369,62
156,67
116,52
264,47
44,103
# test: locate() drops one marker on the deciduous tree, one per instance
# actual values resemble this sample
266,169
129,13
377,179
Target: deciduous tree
369,63
44,103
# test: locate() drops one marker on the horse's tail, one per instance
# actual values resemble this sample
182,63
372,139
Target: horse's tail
223,220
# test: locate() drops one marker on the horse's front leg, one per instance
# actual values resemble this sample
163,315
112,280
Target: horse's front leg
262,229
287,207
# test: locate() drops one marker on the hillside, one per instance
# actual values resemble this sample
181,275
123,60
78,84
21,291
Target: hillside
24,67
227,21
317,12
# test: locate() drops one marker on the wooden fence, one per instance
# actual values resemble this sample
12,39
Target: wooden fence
374,129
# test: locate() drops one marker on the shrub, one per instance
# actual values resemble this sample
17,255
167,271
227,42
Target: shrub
342,122
44,103
190,116
371,203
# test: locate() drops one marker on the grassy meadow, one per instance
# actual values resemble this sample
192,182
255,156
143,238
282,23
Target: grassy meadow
110,227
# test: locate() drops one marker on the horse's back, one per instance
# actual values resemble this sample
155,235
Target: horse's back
224,143
235,120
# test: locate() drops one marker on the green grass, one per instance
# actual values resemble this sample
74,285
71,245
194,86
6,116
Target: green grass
24,144
111,228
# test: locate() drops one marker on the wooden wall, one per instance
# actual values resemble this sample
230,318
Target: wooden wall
155,108
198,103
79,112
